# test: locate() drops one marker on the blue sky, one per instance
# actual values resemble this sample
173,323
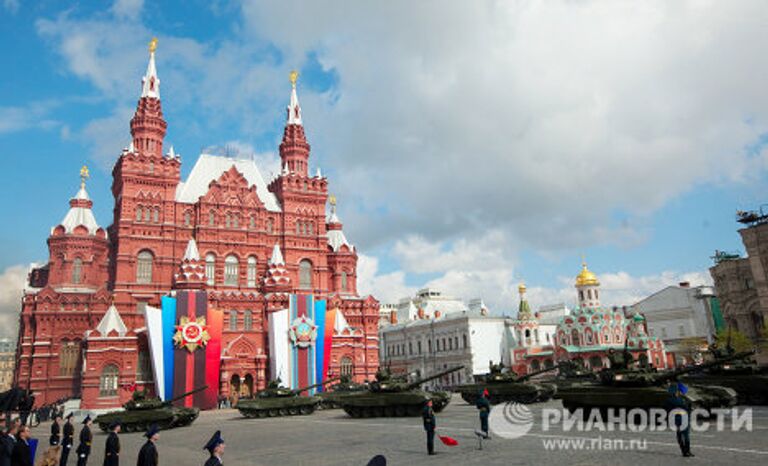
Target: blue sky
471,146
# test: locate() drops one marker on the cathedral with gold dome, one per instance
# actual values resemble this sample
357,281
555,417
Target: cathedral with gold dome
587,333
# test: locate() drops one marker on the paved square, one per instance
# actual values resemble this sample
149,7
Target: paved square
332,438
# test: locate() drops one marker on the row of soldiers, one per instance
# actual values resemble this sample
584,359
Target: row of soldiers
148,455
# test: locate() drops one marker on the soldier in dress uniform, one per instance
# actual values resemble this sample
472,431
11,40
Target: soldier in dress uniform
215,447
67,440
55,431
86,437
148,454
428,416
484,405
112,448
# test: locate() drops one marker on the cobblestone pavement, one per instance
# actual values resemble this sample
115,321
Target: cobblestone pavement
332,438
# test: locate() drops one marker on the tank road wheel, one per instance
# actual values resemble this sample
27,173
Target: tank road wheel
400,411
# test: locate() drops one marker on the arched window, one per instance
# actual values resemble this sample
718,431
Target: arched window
305,274
138,213
248,320
233,320
346,366
69,357
343,281
575,337
144,267
251,272
231,270
210,268
108,381
77,270
211,218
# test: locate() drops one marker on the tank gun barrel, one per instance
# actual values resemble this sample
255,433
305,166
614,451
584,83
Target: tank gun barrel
310,387
433,377
525,377
669,375
184,395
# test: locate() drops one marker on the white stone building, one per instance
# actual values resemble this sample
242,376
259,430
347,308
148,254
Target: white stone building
678,314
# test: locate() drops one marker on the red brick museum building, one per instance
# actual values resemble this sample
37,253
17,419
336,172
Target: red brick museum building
224,230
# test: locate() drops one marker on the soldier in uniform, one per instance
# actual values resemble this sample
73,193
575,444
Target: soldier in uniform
67,440
484,405
215,447
428,416
148,454
112,448
55,431
86,437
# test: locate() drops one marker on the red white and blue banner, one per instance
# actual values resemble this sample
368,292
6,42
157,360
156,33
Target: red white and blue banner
298,348
185,345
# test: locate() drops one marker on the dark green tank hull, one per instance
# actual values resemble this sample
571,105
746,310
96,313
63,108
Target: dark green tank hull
278,406
519,392
140,420
399,404
751,388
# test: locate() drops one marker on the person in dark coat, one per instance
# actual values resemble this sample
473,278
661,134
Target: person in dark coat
22,454
428,416
484,405
215,447
112,448
148,454
55,431
8,441
680,408
86,438
67,440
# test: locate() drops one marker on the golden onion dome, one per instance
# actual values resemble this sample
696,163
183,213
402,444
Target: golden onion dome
586,277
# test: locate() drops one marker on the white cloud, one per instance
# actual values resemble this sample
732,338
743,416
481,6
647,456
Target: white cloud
12,282
129,9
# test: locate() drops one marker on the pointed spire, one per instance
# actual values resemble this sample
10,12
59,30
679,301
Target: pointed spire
150,83
192,254
277,256
294,110
112,322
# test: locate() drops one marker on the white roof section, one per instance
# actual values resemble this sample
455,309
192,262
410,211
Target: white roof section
336,240
150,83
112,322
294,110
277,256
210,167
192,254
80,215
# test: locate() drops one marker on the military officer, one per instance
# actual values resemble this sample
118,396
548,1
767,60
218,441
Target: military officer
86,437
55,431
112,447
428,416
67,440
484,405
148,454
215,447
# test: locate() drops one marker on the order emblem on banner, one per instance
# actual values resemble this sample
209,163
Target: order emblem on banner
303,332
191,333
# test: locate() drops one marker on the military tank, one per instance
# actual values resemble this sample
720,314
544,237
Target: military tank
389,396
141,411
280,401
508,386
645,388
329,398
743,375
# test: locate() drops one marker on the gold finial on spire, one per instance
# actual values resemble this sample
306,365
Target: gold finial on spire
153,45
332,200
84,175
293,77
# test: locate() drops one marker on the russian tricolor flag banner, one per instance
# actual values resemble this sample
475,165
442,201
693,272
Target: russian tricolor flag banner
185,344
